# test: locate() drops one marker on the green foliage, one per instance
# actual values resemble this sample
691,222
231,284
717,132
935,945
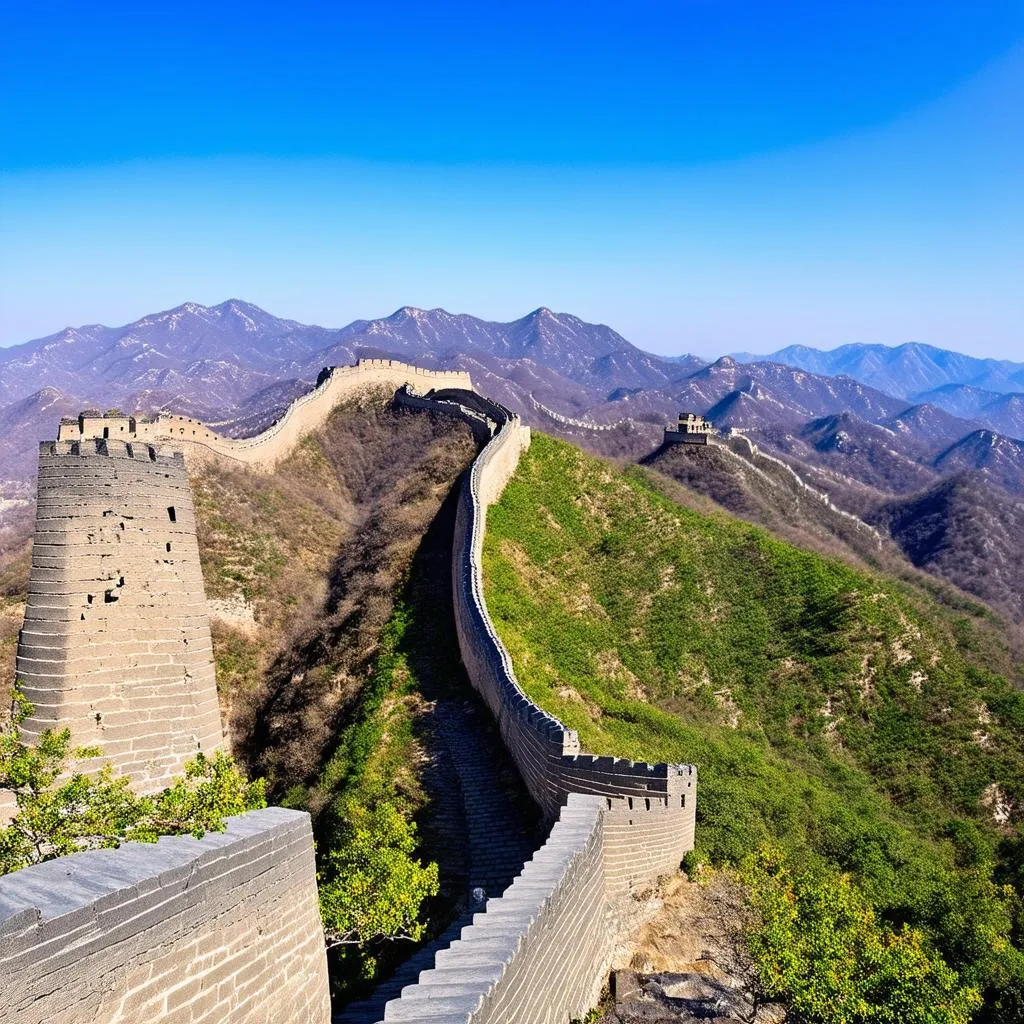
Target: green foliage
61,812
371,887
372,884
820,949
839,714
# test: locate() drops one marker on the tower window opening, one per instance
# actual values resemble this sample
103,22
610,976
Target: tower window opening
171,514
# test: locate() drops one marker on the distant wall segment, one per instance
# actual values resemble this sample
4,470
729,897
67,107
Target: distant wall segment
263,451
220,930
115,643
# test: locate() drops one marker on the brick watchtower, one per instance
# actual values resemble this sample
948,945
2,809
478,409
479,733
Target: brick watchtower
116,640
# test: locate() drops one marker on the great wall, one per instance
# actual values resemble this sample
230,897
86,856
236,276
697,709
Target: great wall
226,928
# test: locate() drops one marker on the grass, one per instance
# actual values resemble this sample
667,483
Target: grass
842,715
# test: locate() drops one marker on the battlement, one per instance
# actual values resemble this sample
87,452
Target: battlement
114,449
540,951
116,643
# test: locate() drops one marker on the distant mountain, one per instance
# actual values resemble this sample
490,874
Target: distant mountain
872,427
22,424
999,460
1001,412
903,370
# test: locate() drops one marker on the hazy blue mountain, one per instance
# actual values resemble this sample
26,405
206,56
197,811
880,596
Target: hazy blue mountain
1001,412
903,370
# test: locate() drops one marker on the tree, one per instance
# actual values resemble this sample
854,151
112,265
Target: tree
820,950
371,888
59,812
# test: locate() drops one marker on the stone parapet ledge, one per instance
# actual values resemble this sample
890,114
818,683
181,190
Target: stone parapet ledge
219,930
531,955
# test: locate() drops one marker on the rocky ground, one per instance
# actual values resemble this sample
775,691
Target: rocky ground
687,962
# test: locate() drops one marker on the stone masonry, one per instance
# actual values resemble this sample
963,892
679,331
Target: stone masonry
220,930
116,640
116,645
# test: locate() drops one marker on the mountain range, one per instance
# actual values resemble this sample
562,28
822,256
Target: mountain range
907,371
866,424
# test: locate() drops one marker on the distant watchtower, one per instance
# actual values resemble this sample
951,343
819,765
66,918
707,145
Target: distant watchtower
692,429
116,640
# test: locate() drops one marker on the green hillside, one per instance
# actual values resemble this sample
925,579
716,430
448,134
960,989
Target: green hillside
847,718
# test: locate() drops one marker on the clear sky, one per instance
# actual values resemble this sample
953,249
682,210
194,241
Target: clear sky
703,175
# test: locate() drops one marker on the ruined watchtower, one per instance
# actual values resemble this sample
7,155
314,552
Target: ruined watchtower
116,640
692,429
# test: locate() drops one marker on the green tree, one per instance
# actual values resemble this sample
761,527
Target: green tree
371,887
59,811
819,949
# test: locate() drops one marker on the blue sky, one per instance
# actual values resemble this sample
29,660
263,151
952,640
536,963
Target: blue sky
703,175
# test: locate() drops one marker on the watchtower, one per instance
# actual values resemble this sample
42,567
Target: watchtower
116,639
692,429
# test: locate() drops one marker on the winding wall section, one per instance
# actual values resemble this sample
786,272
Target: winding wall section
224,929
263,451
538,953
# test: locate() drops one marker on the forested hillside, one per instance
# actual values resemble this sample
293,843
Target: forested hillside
848,719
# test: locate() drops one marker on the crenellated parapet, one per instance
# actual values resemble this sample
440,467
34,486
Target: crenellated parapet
540,951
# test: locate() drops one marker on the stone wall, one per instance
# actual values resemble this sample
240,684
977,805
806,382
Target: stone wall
532,956
547,754
539,952
263,451
220,930
116,640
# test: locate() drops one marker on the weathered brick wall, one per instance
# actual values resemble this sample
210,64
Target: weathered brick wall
306,413
116,640
220,930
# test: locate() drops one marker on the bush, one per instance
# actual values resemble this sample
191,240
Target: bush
819,949
61,812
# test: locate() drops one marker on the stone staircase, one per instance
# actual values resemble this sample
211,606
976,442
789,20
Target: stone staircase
500,837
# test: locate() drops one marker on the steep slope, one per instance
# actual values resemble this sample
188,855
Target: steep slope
999,460
329,582
966,532
842,715
763,490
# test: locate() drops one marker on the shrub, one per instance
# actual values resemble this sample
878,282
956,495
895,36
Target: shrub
59,811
